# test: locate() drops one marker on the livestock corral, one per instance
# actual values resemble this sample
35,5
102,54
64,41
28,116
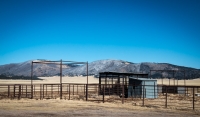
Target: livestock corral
158,96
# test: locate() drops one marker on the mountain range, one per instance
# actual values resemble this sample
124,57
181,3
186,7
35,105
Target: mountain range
24,69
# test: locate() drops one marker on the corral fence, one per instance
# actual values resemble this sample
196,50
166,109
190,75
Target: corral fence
158,96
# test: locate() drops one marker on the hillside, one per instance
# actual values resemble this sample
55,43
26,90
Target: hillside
24,69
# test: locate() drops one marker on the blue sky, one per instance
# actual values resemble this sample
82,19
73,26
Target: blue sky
162,31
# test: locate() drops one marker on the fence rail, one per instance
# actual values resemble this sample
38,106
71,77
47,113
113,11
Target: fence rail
162,96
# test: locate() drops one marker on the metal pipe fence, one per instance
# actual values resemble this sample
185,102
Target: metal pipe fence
158,96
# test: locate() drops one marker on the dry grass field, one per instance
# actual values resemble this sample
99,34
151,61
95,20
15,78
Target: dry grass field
194,82
55,79
77,108
73,108
91,80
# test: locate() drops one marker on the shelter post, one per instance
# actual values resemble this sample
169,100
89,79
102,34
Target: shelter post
61,79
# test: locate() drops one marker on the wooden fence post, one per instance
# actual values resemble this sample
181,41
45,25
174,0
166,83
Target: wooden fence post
69,92
46,89
166,98
73,89
60,90
8,90
26,92
154,91
34,89
43,90
84,89
51,91
40,92
14,91
123,93
143,96
193,99
22,90
77,89
103,93
86,92
19,95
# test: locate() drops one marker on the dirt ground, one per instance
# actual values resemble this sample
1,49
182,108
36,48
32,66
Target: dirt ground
73,108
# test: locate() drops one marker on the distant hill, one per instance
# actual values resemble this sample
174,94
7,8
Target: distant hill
18,77
24,69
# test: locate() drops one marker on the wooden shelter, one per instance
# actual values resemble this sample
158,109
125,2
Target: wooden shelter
117,83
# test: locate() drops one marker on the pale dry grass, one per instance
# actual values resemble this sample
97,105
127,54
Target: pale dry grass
57,107
91,80
194,82
54,80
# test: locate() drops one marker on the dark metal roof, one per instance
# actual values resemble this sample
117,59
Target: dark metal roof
120,73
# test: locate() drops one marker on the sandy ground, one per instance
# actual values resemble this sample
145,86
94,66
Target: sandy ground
69,108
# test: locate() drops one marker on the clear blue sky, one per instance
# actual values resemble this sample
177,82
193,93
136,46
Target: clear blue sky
87,30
